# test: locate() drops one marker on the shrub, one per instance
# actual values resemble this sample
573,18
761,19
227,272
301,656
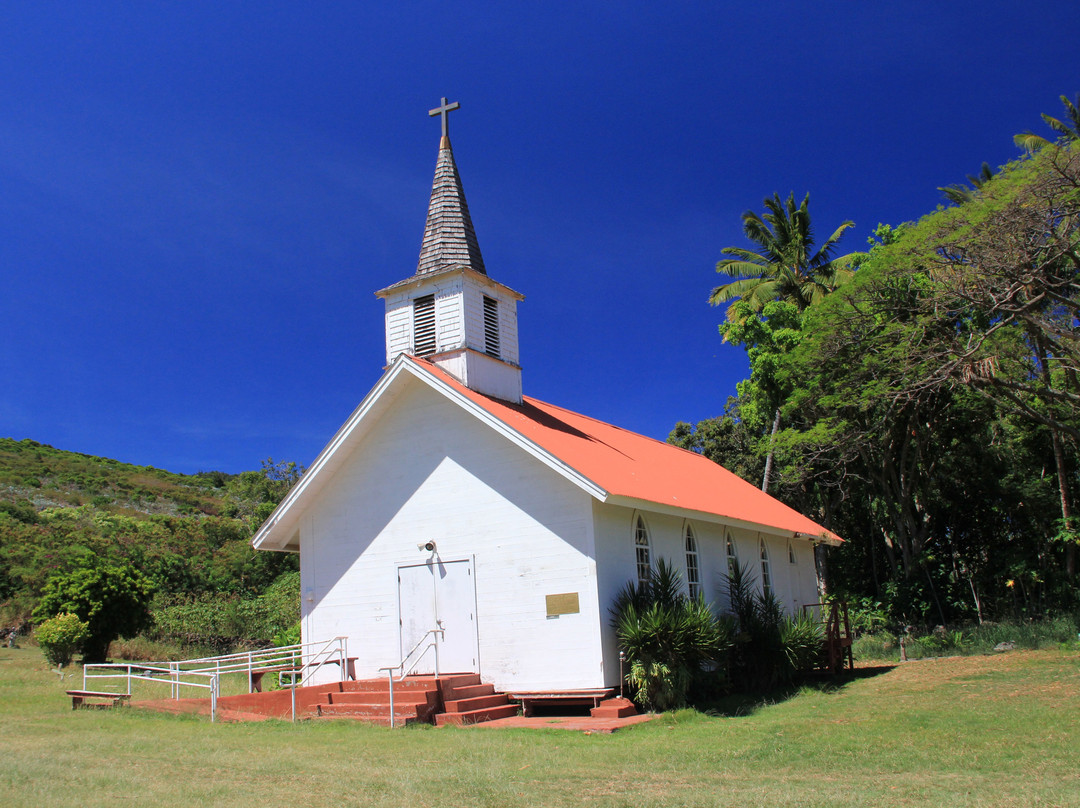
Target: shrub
768,648
60,637
668,637
111,599
802,638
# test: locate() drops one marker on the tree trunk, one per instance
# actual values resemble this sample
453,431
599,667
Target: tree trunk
1059,465
769,457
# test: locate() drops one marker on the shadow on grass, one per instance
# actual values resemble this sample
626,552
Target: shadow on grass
746,704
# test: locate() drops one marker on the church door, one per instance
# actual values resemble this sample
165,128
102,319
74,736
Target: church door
439,594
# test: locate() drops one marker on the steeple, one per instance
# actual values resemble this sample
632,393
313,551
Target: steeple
450,312
449,238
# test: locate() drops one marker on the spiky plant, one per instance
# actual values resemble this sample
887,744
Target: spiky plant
668,637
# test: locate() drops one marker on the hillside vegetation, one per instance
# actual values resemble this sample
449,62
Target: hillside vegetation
187,535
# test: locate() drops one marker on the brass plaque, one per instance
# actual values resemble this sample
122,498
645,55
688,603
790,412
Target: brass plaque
562,604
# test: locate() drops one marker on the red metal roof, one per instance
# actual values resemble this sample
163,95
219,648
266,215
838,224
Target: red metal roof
626,464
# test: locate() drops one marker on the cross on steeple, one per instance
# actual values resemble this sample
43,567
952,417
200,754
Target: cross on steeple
444,111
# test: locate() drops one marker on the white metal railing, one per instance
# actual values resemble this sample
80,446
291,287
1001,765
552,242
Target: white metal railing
302,660
155,673
437,634
292,659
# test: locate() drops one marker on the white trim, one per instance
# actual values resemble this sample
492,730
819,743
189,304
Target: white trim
714,518
283,516
500,426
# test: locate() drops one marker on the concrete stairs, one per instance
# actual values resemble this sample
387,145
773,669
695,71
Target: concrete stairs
416,700
466,700
614,708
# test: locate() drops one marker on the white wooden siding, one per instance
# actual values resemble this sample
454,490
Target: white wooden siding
794,584
431,471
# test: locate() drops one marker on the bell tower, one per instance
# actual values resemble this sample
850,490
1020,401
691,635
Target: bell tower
450,312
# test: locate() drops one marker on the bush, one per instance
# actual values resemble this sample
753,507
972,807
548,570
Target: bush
803,641
668,637
769,648
226,623
60,637
111,599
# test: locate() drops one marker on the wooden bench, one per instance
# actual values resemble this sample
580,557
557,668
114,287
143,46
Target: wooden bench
92,698
568,698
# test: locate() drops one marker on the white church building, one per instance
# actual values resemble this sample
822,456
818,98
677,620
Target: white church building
448,501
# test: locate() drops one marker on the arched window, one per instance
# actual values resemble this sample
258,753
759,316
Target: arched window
693,575
732,556
766,578
641,548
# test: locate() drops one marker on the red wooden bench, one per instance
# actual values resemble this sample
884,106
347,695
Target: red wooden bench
93,698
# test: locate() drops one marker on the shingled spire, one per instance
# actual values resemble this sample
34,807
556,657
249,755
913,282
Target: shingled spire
450,313
449,238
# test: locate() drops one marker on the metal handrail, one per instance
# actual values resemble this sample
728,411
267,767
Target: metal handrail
401,665
153,673
285,657
313,668
286,660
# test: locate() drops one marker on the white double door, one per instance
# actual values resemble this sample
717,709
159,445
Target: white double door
439,595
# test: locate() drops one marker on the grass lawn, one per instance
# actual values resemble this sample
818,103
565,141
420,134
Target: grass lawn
978,731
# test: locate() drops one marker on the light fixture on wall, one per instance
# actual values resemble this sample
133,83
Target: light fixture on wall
426,546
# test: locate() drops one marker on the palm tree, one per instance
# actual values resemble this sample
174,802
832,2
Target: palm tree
960,193
1068,130
786,266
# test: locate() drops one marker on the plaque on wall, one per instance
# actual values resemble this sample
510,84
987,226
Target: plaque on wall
562,604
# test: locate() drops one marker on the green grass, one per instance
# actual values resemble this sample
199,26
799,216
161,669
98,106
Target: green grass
977,731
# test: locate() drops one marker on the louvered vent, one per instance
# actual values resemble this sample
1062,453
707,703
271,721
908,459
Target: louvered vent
424,325
491,326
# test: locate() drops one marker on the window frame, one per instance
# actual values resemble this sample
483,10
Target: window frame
642,549
766,570
693,561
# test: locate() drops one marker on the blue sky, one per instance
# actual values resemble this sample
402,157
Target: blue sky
198,200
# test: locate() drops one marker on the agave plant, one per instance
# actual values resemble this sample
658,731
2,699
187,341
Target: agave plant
769,647
668,637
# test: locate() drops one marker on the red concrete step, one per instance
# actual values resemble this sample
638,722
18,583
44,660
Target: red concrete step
383,684
476,716
378,713
475,703
456,680
614,708
411,696
468,692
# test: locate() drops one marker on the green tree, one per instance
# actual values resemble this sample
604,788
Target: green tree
784,265
1068,130
926,380
960,193
112,599
785,268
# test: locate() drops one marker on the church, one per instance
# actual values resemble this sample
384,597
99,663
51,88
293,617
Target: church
454,524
